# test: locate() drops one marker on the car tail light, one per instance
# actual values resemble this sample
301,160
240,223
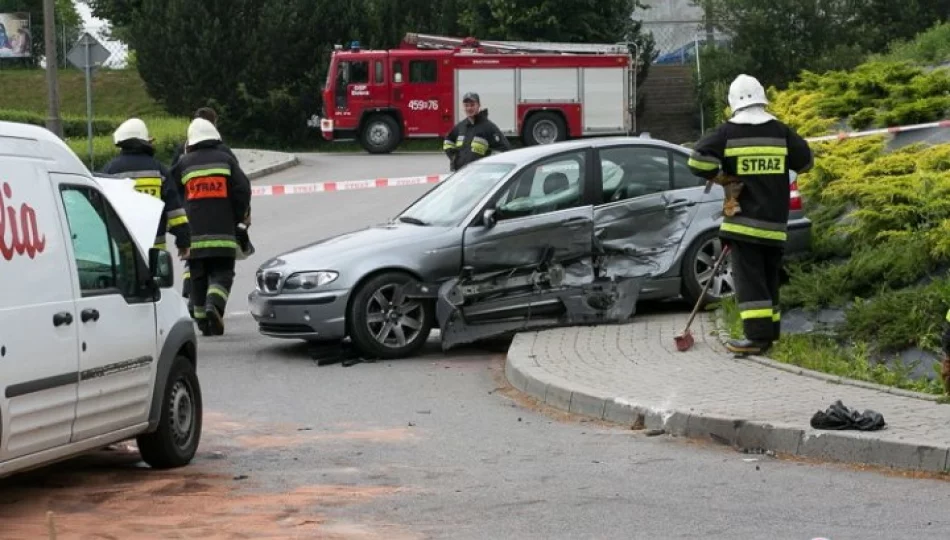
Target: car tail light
795,202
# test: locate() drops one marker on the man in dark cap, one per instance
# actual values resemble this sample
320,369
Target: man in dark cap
474,137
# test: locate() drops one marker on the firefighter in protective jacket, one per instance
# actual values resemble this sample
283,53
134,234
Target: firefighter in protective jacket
757,150
217,197
473,138
136,160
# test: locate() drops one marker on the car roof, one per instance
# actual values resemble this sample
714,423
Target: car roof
28,141
531,153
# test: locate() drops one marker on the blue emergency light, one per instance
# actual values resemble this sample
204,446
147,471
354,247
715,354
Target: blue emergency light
355,46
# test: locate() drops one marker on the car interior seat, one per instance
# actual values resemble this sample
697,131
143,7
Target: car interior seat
555,182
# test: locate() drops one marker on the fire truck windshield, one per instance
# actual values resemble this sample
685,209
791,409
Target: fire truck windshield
456,196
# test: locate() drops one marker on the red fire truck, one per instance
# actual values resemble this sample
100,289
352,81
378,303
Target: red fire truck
542,92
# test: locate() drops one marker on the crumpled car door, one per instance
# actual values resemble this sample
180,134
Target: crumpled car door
532,264
644,215
641,236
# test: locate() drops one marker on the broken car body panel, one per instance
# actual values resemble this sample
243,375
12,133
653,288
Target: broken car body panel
541,266
641,236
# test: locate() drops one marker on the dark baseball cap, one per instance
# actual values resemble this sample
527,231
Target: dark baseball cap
471,96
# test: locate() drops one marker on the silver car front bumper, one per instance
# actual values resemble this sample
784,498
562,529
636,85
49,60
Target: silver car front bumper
312,317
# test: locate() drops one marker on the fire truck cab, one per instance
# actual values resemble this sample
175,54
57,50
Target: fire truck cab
542,92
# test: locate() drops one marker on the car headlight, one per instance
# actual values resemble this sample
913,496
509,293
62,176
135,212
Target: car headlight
308,281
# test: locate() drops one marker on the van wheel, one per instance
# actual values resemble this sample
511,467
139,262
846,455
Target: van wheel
380,134
175,442
386,325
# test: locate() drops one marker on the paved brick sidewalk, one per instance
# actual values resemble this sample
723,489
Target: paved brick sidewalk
632,373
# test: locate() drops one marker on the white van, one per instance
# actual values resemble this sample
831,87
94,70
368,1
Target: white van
95,345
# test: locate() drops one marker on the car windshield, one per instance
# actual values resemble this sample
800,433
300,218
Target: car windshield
451,201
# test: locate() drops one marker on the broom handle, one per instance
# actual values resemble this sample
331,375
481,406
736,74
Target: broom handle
699,301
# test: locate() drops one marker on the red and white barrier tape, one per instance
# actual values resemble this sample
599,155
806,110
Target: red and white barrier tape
883,131
346,185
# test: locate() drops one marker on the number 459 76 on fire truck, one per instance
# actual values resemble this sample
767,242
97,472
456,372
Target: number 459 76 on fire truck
542,92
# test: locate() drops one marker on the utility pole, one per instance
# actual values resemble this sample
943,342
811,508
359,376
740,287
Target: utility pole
53,123
709,17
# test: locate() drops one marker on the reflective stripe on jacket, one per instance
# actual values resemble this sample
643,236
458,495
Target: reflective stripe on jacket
152,178
760,156
470,141
217,197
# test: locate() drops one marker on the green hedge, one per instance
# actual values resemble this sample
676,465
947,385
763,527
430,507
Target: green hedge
73,126
168,133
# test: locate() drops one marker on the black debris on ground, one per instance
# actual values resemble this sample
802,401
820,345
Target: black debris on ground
840,417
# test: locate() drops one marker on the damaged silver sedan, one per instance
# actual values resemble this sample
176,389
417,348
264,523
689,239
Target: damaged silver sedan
569,233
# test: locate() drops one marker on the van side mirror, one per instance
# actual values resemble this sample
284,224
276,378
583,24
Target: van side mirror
489,218
160,266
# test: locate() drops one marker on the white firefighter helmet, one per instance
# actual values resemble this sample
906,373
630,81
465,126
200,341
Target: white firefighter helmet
131,129
202,130
746,91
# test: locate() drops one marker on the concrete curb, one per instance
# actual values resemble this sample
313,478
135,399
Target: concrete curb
525,374
723,335
291,161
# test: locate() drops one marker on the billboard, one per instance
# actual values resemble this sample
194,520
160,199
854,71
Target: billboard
15,37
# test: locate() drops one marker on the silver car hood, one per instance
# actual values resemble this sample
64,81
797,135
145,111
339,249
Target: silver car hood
340,249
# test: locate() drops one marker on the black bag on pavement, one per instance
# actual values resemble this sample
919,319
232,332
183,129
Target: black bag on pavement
840,417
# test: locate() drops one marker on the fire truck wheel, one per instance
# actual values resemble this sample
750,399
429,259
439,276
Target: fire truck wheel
380,134
544,128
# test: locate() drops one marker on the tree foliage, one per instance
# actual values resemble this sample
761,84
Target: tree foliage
775,40
119,13
263,63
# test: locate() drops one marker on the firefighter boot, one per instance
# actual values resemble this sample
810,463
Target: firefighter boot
215,306
744,347
215,321
201,319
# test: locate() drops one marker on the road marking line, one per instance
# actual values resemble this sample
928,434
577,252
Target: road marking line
345,185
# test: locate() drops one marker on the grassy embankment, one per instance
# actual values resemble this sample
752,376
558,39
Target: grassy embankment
881,217
118,95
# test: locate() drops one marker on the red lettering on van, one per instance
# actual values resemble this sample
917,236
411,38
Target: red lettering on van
24,235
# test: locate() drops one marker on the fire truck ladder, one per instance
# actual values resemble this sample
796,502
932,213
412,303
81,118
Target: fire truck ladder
429,41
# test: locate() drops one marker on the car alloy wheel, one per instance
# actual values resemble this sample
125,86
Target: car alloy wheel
722,285
393,320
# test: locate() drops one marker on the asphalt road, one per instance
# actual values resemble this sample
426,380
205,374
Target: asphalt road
434,446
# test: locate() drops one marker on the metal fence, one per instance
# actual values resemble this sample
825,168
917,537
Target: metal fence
676,42
66,40
676,106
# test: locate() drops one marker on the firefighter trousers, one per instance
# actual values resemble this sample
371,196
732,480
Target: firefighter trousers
186,284
211,281
756,271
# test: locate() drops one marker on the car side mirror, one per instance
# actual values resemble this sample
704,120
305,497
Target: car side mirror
160,266
489,218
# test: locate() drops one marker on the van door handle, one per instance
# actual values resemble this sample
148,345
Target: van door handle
63,317
89,314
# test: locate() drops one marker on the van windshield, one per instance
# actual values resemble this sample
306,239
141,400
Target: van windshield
449,202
